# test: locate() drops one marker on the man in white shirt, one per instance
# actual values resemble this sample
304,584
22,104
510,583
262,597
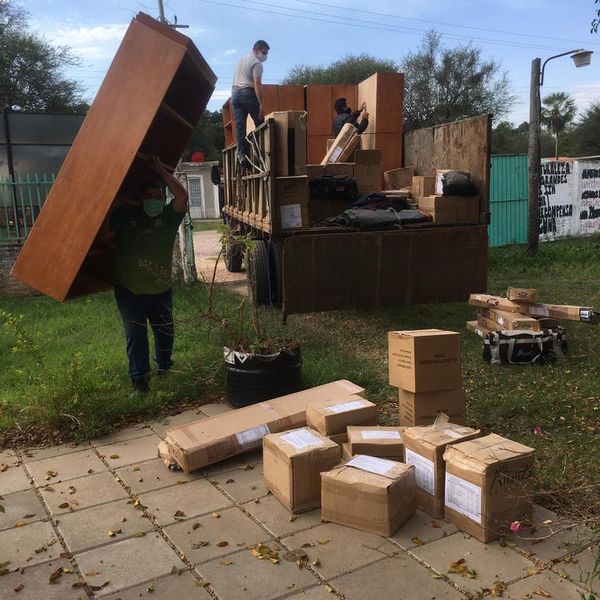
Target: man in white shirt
247,92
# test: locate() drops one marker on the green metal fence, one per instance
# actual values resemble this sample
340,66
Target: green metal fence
508,200
21,200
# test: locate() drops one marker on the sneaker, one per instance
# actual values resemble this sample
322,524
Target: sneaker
140,386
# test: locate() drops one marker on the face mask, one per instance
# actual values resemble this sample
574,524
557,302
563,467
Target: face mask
153,206
261,56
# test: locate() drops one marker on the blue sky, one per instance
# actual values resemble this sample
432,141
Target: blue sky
513,32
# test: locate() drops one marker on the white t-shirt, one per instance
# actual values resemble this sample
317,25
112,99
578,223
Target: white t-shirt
248,66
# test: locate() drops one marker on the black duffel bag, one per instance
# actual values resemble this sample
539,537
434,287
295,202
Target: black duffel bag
524,347
334,187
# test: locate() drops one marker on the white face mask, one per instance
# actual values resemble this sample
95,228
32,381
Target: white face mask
261,56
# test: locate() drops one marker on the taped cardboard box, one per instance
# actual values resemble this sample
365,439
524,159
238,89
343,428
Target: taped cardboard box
447,210
488,301
476,327
398,178
488,323
585,314
334,417
383,442
489,484
292,198
346,169
508,320
423,185
367,170
338,438
292,464
424,360
521,294
207,441
290,142
422,408
369,493
346,452
424,448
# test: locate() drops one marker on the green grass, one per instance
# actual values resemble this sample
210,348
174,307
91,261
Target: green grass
205,225
76,381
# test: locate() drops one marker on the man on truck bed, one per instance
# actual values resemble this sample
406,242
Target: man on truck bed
145,230
345,115
247,92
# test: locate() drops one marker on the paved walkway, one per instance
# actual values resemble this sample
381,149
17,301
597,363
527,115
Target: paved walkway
107,520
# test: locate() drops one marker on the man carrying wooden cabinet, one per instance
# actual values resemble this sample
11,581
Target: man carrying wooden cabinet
145,232
345,115
247,92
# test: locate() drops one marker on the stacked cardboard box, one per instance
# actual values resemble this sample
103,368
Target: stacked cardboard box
334,417
447,210
425,365
292,196
383,442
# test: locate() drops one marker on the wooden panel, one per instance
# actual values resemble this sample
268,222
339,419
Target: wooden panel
384,95
291,97
319,106
270,98
460,145
316,148
140,106
371,269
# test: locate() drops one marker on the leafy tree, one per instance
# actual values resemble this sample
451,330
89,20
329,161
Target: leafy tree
349,69
508,139
30,68
557,113
443,84
588,132
596,21
208,137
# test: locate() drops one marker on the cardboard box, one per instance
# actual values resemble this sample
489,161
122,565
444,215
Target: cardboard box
292,198
367,170
489,484
343,147
488,323
488,301
447,210
398,178
207,441
313,171
293,463
346,452
521,294
566,312
476,327
510,320
424,448
423,185
422,408
330,143
369,493
334,417
346,169
338,438
290,142
383,442
467,209
424,360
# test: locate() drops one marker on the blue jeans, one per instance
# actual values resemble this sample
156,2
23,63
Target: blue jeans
136,311
244,103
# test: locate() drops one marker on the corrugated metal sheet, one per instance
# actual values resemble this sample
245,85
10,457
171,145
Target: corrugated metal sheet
508,200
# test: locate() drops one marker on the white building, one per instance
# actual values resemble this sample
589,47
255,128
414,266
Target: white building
203,194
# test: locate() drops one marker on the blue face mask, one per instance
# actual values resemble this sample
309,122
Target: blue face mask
153,206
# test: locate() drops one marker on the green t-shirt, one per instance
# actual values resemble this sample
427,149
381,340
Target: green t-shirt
144,258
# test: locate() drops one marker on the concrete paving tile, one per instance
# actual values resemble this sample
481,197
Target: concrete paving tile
546,581
187,416
315,593
400,578
580,566
562,543
277,519
154,475
246,461
193,499
243,486
19,505
13,479
241,575
8,457
215,408
33,454
340,549
233,527
19,545
490,561
89,491
421,529
183,587
123,435
36,583
66,467
127,563
84,529
130,451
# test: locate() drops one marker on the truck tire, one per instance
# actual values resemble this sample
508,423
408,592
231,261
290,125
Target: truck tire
276,272
257,263
234,256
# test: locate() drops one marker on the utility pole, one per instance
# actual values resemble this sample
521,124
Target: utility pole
162,18
533,225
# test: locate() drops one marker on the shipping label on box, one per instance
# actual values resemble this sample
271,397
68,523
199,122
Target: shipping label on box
291,195
383,442
489,484
510,320
424,360
336,416
422,408
521,294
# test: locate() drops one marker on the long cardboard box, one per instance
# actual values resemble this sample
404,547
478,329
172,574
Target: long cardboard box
334,417
476,327
292,465
422,408
508,320
343,147
201,443
424,360
488,301
489,324
368,493
489,484
585,314
424,448
383,442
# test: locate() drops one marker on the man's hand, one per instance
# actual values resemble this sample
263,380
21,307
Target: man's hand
365,114
363,107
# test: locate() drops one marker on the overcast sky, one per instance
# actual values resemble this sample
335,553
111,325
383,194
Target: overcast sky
317,32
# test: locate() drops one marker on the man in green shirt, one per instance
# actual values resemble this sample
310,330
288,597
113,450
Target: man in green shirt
145,234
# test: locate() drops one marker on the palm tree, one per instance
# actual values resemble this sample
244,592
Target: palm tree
558,112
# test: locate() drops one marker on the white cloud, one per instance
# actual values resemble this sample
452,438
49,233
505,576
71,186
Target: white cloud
223,58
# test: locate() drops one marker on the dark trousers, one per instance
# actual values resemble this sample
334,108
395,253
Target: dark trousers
244,103
136,311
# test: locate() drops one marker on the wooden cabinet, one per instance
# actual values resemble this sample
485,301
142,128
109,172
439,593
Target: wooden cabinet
149,103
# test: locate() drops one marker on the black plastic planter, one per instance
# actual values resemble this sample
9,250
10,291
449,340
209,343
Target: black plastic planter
252,378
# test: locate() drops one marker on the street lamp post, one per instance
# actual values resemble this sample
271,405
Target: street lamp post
581,58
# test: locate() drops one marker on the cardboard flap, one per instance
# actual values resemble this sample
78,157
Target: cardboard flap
432,436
